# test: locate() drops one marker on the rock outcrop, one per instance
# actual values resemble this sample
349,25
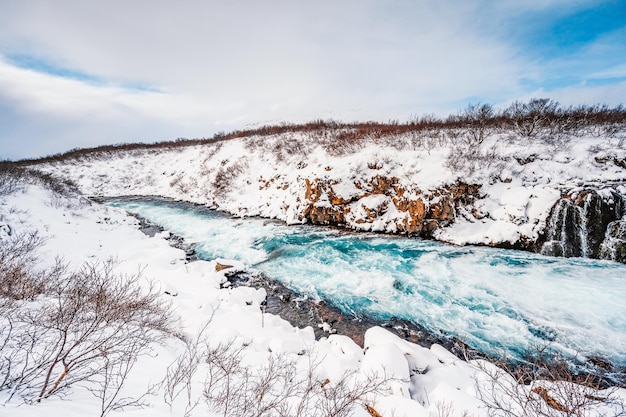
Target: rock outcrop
385,204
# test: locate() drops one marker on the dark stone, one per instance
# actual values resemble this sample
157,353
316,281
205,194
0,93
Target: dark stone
526,160
552,248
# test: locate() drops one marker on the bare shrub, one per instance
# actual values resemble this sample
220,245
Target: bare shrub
96,318
108,383
179,376
468,158
10,177
546,386
226,174
17,255
178,183
288,145
528,119
278,389
344,141
478,121
60,186
279,386
88,326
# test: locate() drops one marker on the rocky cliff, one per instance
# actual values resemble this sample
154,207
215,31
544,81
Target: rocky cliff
385,201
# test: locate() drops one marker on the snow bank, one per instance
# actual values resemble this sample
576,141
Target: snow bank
419,381
270,176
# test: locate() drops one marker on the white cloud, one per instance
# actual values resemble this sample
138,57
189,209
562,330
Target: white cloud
222,65
611,95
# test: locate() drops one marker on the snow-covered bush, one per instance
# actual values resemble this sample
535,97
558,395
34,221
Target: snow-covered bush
10,178
546,386
61,328
279,386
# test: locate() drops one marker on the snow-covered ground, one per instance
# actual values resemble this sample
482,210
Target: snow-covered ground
287,175
419,381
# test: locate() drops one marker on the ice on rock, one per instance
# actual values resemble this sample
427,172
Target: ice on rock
387,361
338,355
419,358
443,355
394,405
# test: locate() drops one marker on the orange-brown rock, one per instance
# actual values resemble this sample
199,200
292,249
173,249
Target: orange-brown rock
220,267
425,211
325,215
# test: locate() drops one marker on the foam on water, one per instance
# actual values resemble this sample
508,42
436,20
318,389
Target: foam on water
495,300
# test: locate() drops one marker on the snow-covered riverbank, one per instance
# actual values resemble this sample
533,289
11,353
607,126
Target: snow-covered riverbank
417,381
498,192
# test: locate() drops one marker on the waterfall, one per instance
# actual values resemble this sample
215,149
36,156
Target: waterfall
565,231
614,245
579,222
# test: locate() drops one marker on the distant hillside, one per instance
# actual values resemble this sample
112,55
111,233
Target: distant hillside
534,176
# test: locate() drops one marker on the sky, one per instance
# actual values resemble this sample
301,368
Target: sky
76,74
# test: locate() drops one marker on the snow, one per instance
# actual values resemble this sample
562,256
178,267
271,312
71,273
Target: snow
261,176
423,381
266,176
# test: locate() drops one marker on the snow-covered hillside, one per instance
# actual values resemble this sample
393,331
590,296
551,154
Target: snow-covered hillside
498,191
224,357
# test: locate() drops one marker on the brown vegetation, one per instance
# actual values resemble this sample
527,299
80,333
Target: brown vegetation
538,118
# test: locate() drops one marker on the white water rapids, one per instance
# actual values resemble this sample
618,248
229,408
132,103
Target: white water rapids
498,301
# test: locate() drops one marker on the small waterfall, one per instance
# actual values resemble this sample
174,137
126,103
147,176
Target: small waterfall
578,224
614,245
565,231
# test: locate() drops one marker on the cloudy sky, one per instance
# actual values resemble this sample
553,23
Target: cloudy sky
77,73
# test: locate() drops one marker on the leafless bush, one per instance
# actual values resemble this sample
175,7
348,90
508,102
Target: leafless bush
545,119
60,186
468,158
280,386
429,138
288,145
88,326
213,149
17,255
179,376
226,174
344,141
178,183
14,175
10,177
478,123
547,387
108,383
278,389
528,119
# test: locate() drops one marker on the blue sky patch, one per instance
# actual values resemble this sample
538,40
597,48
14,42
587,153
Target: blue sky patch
44,66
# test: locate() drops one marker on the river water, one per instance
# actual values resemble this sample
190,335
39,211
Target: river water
498,301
